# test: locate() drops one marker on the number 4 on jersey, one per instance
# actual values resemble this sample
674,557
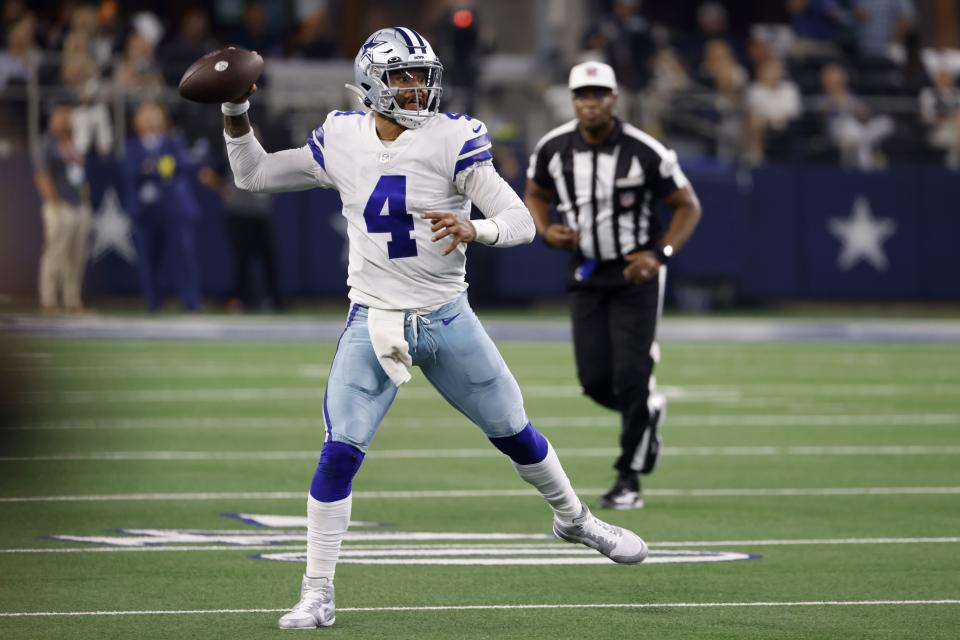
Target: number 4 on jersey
392,191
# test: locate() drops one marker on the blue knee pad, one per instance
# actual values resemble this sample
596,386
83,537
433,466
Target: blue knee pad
526,447
333,480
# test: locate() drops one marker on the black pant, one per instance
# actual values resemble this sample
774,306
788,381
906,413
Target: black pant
252,240
613,333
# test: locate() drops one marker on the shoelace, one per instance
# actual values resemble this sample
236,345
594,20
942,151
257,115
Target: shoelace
311,598
600,528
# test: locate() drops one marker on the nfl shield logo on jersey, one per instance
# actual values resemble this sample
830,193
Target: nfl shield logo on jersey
627,198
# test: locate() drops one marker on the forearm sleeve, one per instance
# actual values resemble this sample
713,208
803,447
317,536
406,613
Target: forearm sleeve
508,222
256,170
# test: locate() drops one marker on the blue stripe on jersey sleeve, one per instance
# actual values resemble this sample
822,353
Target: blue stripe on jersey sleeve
318,135
472,160
475,143
317,153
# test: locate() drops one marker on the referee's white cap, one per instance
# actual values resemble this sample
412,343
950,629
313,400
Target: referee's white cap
593,74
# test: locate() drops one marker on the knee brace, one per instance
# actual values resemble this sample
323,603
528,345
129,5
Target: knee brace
333,480
526,447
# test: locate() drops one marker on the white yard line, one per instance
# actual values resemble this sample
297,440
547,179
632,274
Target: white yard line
360,549
489,452
498,607
493,493
689,393
551,422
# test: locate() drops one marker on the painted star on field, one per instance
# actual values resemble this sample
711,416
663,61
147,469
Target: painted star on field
861,236
111,230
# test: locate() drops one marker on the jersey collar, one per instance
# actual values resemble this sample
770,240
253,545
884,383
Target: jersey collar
612,140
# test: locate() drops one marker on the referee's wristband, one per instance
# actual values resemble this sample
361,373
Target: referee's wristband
664,253
234,109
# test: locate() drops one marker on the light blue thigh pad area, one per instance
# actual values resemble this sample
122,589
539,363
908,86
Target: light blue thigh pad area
358,389
458,357
453,352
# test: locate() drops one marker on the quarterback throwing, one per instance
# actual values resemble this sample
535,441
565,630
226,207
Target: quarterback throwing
407,175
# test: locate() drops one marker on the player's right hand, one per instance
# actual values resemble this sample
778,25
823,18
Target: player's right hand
560,236
249,92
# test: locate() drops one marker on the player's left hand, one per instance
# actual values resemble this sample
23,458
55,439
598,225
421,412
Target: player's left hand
641,266
450,225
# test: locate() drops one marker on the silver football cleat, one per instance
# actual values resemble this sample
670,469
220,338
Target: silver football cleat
620,545
316,607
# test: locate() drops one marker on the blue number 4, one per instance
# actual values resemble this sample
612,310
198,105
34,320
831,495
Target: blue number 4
392,191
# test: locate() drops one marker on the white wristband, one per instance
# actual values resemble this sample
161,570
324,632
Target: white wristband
234,109
487,231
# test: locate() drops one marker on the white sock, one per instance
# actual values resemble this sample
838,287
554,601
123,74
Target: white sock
326,524
553,484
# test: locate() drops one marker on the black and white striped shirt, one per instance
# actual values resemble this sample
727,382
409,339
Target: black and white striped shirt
607,192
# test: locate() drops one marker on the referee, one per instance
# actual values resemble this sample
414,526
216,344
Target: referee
605,177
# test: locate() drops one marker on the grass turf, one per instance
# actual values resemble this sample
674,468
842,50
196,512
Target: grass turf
128,398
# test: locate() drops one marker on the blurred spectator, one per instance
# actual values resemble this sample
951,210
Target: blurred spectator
313,38
759,51
249,228
62,183
669,78
849,122
91,117
13,12
20,60
772,103
719,66
712,25
728,79
254,33
253,241
148,25
56,30
137,73
883,27
191,41
625,40
159,196
940,111
818,26
86,28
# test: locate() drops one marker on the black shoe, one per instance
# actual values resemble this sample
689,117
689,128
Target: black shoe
625,494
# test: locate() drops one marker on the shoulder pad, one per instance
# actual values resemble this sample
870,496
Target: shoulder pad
472,141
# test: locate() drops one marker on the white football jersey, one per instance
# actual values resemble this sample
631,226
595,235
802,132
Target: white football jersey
384,189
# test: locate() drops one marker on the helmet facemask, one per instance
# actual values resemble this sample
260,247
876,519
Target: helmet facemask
409,93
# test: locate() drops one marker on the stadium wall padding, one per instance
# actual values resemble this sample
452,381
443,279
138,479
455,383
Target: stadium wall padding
766,232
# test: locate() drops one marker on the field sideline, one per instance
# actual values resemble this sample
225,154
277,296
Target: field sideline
155,489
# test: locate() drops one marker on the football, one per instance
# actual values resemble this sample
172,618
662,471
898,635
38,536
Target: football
221,76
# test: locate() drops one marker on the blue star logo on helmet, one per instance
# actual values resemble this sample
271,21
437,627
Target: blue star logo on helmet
372,43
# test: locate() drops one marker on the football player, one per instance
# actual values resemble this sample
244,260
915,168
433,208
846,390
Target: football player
407,175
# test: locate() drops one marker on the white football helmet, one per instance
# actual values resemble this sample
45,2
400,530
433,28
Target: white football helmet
397,49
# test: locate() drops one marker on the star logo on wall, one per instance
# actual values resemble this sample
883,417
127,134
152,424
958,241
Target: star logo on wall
862,236
111,230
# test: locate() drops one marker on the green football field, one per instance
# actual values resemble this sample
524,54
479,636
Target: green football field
156,489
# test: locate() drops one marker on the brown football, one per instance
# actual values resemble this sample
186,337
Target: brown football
221,76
